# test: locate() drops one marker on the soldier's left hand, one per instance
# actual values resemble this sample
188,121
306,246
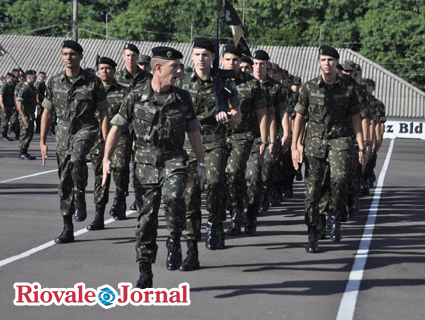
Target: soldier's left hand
362,159
222,117
201,174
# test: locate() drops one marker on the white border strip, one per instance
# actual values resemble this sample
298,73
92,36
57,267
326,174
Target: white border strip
349,298
49,244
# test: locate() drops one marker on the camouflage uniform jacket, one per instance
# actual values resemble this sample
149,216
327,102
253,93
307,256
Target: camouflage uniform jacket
292,102
7,90
75,104
381,108
28,97
329,110
251,98
41,86
205,106
279,98
159,126
374,106
18,87
130,83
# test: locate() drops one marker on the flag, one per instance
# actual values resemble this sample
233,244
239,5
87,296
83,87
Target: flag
229,16
243,47
97,62
2,51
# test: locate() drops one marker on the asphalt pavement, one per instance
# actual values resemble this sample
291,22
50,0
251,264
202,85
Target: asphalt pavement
264,276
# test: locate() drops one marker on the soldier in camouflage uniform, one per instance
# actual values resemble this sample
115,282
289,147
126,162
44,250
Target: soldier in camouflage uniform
200,84
246,65
144,63
26,102
331,105
131,78
15,126
40,84
159,114
240,138
121,156
279,136
7,101
75,95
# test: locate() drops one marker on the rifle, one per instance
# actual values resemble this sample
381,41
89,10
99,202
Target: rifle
219,74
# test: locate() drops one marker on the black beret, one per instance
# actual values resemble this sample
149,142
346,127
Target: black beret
9,74
166,53
132,47
71,44
328,51
371,83
144,59
23,75
261,55
247,60
231,48
340,67
105,60
42,72
29,72
90,70
203,43
15,70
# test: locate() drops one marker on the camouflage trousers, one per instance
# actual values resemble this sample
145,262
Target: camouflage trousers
72,171
5,118
338,162
370,165
215,188
240,146
120,169
325,192
288,170
355,176
148,199
273,172
26,133
254,181
14,120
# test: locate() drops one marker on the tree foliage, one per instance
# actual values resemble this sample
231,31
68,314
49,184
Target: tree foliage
389,32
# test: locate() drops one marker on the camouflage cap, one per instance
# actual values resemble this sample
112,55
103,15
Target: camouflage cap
349,65
144,59
273,66
290,78
365,81
284,72
297,80
188,70
358,68
371,83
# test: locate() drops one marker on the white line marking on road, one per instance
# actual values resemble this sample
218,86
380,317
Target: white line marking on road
49,244
29,176
349,298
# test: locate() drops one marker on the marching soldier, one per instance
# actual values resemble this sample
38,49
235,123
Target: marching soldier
121,157
159,113
26,102
131,78
7,102
240,138
75,95
331,105
40,84
213,132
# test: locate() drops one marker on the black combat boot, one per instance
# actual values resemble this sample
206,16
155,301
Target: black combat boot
133,206
80,206
344,214
174,256
313,237
146,276
275,197
67,234
250,220
215,238
119,206
336,229
52,132
265,199
17,134
98,223
299,176
322,225
191,262
237,218
290,184
4,137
